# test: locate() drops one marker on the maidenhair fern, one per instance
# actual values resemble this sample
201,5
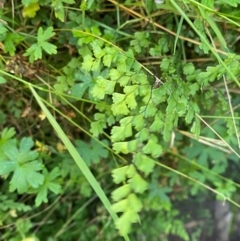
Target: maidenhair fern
141,115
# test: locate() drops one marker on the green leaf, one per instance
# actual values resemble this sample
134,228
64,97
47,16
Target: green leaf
119,174
118,98
120,206
120,109
125,221
3,31
121,147
24,166
144,163
87,62
34,53
49,48
157,124
189,69
160,192
99,89
44,35
138,122
152,148
114,74
11,41
121,192
120,133
35,50
98,52
100,123
92,152
7,166
26,176
7,133
123,80
131,171
50,183
143,135
138,184
30,10
107,60
131,101
134,203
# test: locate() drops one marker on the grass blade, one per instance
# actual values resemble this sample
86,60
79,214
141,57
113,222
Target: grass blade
77,158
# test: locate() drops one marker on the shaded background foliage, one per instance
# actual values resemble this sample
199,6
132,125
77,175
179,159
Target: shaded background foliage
141,93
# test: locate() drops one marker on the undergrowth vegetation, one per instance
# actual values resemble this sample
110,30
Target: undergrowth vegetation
114,114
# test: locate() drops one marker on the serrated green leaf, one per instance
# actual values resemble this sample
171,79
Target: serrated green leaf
120,109
49,48
120,133
11,42
189,69
131,101
34,53
114,74
126,120
30,10
138,184
7,166
119,174
107,60
3,30
98,52
87,62
138,122
134,203
92,152
123,224
118,98
26,144
7,133
99,89
97,127
123,80
120,206
110,87
44,35
131,171
96,64
150,110
121,147
121,192
49,184
157,124
153,148
143,135
26,176
144,163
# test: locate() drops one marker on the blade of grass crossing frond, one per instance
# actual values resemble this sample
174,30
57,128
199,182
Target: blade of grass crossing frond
178,33
77,158
213,25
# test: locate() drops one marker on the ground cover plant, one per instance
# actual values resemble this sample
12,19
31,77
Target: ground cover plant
115,115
